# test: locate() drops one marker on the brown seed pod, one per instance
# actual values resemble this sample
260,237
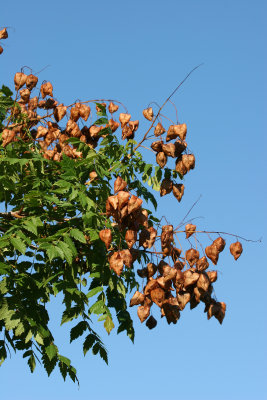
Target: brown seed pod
170,275
94,131
180,167
116,263
33,103
148,113
151,284
127,258
203,282
159,130
219,243
8,136
156,146
1,49
192,255
142,272
175,254
161,159
25,95
176,130
41,132
113,125
163,284
178,191
106,237
180,146
75,113
179,265
183,298
3,34
46,89
60,112
151,323
179,280
84,111
123,198
124,119
73,129
189,161
169,149
217,309
190,277
19,80
189,229
157,296
151,269
212,276
202,264
127,133
113,201
212,253
171,311
119,184
134,204
31,81
143,312
236,249
138,298
147,237
93,175
134,125
130,238
112,107
165,187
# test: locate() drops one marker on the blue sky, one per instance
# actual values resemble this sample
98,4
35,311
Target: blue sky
137,52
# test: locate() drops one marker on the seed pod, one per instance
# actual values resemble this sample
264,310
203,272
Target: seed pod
159,130
178,191
169,149
202,264
74,113
151,269
113,201
1,49
25,95
180,167
73,129
236,249
189,161
192,255
143,312
190,229
33,103
106,237
142,272
130,238
98,109
179,279
156,146
161,159
217,309
180,146
134,204
112,107
203,282
179,265
219,243
127,258
127,133
124,119
19,80
113,125
190,277
212,253
31,81
41,132
134,125
148,113
138,298
183,298
3,34
165,187
147,237
116,263
175,254
212,276
123,198
171,311
170,275
60,112
8,136
46,89
119,184
84,111
157,296
151,323
151,284
176,130
94,131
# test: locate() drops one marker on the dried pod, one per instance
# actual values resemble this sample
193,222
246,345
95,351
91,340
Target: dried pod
73,129
75,113
147,237
180,146
106,237
202,264
217,309
148,113
33,103
119,184
151,269
183,298
151,284
178,191
134,125
41,132
138,298
113,201
142,272
156,146
1,49
175,253
151,323
189,229
169,149
46,89
189,161
171,312
165,187
113,125
123,198
134,204
179,280
124,119
8,136
161,159
60,112
25,95
177,130
157,296
3,34
203,282
179,265
84,111
143,312
170,275
192,255
116,262
127,133
19,80
159,130
180,167
94,131
219,243
127,258
212,276
31,81
236,249
163,284
130,238
190,277
212,253
112,107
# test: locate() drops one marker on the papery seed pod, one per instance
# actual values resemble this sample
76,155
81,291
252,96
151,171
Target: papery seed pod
152,236
175,254
94,131
170,275
112,107
41,104
166,286
41,132
165,187
143,312
3,34
148,113
119,184
93,175
113,125
202,264
73,129
236,249
151,269
62,140
189,161
31,81
25,95
60,112
113,201
179,265
130,238
190,277
123,198
74,113
189,229
212,253
171,312
212,276
127,258
124,119
134,204
142,272
156,146
203,282
161,159
19,80
33,103
179,280
135,254
177,130
1,49
106,237
161,266
46,89
57,157
127,133
148,302
8,136
68,151
193,302
178,191
152,284
183,298
169,149
116,263
180,146
134,125
84,111
219,243
49,154
151,323
217,309
159,130
138,298
192,255
157,296
180,167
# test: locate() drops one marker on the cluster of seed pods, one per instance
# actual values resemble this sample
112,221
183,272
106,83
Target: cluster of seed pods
3,35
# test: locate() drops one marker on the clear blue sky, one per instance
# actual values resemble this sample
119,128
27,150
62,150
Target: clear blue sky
137,52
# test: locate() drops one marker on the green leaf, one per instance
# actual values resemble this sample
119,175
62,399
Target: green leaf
32,363
66,251
108,324
103,354
88,343
51,351
94,291
18,244
78,235
78,330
